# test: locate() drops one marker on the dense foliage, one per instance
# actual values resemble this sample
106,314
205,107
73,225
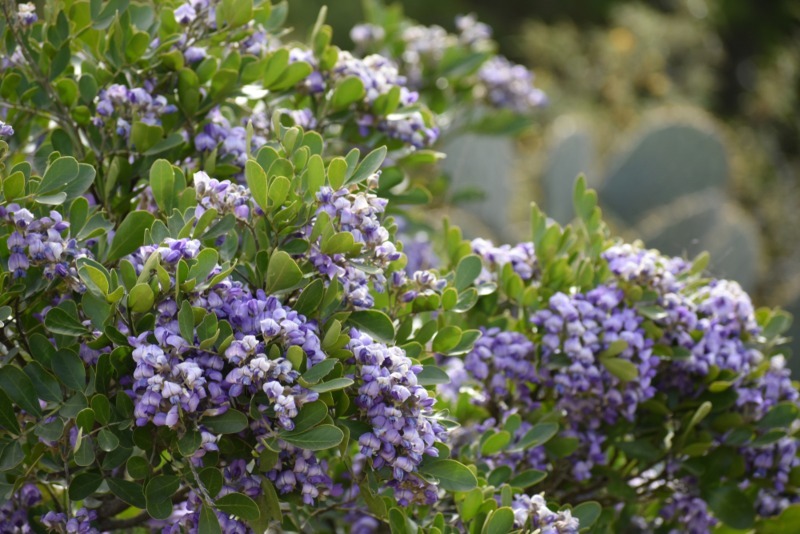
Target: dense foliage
210,322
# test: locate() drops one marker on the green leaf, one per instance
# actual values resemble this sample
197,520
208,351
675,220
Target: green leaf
162,182
471,504
130,234
230,422
780,415
257,182
8,416
446,339
467,271
310,415
375,323
500,521
70,369
11,456
452,475
625,370
83,485
59,321
19,388
432,375
317,439
495,443
731,506
528,478
538,435
158,495
279,189
239,505
46,385
368,166
58,176
107,441
127,491
587,513
85,455
319,371
348,91
208,524
141,298
399,523
332,385
14,186
186,321
282,272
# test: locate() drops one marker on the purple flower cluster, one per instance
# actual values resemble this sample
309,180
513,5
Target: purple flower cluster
236,479
506,85
712,323
197,13
128,104
230,140
380,76
14,512
417,248
223,196
358,213
366,35
6,130
576,330
26,12
532,514
39,242
689,513
79,523
473,33
173,376
400,413
420,283
425,46
300,469
504,365
522,258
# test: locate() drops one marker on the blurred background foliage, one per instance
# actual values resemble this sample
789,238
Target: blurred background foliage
684,114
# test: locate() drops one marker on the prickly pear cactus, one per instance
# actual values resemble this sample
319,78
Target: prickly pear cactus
666,162
486,162
571,155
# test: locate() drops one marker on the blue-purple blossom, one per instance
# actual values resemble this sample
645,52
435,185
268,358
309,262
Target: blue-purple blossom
576,330
6,130
358,213
379,77
499,371
79,523
27,13
687,514
521,256
532,514
400,412
14,512
40,242
509,86
223,196
126,104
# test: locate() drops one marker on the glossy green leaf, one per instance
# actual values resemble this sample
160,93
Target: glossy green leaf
452,475
130,234
317,439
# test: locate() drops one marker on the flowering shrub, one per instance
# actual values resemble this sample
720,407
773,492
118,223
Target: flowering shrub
209,323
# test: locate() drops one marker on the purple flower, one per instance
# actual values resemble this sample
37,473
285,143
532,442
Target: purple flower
506,85
6,130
